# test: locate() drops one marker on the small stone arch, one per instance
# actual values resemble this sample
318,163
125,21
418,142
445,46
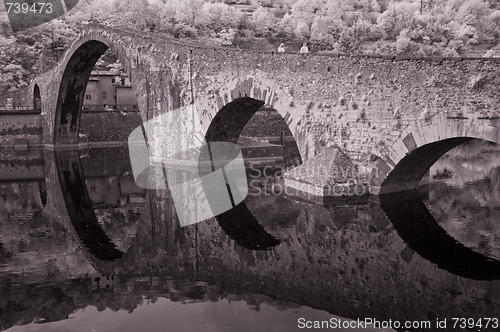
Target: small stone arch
421,145
37,99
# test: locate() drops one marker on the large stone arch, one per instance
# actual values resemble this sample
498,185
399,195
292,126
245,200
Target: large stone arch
420,145
75,68
225,112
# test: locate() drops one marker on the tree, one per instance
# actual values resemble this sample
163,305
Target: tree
217,16
264,22
133,12
187,11
324,32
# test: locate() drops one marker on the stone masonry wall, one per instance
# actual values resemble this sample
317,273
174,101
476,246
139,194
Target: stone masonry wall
361,104
108,126
19,127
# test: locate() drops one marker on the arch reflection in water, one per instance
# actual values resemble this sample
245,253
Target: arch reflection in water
79,207
241,225
205,179
420,230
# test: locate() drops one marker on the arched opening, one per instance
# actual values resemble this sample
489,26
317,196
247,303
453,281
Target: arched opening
37,99
230,121
408,173
268,147
109,110
100,195
96,101
72,90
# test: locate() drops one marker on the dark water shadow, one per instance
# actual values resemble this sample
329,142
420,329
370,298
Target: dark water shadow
420,230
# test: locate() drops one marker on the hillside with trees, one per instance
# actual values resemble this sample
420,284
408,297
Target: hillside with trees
389,27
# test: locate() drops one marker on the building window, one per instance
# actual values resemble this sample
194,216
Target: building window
88,97
104,95
112,80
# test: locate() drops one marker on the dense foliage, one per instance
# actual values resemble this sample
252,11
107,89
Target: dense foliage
417,27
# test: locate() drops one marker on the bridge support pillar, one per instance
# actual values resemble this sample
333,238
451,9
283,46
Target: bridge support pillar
329,178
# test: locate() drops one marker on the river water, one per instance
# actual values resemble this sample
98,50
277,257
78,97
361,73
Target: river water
82,248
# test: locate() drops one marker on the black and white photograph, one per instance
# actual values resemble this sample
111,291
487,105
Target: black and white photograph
249,165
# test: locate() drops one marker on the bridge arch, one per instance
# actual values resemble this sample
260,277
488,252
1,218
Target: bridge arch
230,120
421,145
233,107
75,69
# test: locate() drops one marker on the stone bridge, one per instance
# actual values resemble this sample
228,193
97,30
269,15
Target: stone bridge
398,114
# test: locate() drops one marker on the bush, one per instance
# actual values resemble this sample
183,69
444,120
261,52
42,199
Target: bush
402,44
182,30
348,44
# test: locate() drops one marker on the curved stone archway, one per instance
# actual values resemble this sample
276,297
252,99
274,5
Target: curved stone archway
239,223
229,122
72,90
421,145
224,111
74,71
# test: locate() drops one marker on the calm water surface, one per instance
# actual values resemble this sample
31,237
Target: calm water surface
82,248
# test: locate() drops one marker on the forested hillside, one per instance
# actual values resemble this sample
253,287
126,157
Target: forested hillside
416,27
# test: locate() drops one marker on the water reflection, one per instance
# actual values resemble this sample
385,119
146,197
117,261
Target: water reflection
80,209
242,227
418,227
465,196
348,261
